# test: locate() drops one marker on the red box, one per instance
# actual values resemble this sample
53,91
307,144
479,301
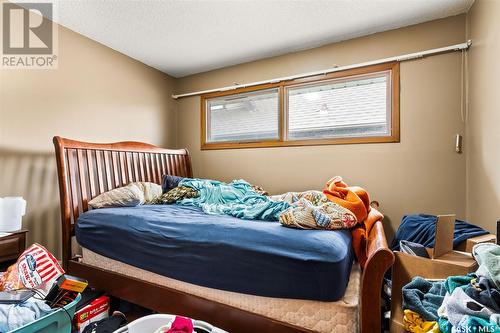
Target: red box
97,309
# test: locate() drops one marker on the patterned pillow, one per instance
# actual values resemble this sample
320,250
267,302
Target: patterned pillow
176,194
133,194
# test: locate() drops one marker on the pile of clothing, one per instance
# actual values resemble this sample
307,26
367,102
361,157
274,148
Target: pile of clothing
469,303
421,229
338,206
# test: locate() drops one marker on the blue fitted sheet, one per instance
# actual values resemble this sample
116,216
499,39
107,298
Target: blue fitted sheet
223,252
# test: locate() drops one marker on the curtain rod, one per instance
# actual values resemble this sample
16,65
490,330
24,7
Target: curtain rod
400,58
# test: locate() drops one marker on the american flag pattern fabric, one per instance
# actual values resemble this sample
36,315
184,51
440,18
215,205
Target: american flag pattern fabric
37,266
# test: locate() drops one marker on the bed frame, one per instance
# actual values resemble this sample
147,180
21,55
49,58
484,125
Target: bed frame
87,169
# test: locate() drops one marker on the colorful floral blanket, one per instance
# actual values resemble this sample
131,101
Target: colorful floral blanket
313,210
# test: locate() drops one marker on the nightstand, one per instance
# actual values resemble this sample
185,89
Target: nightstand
11,247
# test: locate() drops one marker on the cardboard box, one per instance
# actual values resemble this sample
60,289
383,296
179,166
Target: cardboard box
468,244
443,262
97,309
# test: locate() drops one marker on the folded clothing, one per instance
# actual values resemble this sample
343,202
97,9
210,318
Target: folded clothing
421,229
13,316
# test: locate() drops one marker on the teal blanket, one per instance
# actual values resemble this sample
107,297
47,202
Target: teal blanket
237,199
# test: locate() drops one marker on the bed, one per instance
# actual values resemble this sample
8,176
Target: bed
87,169
220,251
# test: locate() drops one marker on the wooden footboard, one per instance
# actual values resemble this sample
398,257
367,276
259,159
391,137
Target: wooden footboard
380,259
86,170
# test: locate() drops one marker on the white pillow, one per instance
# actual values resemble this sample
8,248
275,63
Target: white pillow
133,194
151,191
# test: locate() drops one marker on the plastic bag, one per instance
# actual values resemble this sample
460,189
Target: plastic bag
36,268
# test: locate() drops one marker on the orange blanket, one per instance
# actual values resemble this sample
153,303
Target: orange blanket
357,200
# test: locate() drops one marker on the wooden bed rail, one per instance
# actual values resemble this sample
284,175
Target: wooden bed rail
86,170
380,259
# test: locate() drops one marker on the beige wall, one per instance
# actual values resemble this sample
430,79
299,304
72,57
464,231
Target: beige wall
100,95
483,125
96,94
422,173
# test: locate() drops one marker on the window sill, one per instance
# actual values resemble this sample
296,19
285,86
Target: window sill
297,143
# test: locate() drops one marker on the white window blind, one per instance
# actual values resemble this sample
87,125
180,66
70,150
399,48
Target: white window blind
243,117
350,107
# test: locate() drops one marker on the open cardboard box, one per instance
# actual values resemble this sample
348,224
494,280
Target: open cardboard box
443,262
468,244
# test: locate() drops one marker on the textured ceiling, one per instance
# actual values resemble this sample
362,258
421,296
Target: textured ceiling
184,37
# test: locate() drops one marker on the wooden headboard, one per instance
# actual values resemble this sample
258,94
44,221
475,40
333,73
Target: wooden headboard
86,170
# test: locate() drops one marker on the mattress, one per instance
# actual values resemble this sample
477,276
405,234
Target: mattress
341,316
217,251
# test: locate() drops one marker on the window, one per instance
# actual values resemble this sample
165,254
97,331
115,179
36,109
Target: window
349,107
353,106
252,116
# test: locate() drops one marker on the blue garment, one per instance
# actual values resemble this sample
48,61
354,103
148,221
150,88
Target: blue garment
421,229
169,182
237,199
222,252
13,316
424,297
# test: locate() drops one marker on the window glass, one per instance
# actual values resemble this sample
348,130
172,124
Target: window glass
351,107
243,117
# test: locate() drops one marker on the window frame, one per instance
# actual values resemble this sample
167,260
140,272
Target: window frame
282,86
